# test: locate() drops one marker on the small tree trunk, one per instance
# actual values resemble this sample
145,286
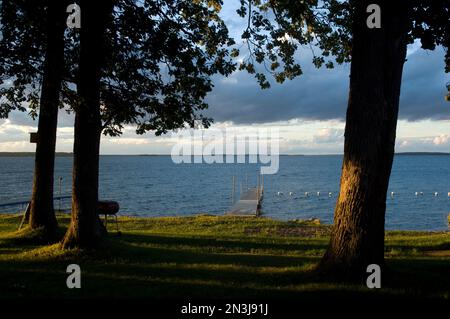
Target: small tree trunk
42,212
378,56
85,229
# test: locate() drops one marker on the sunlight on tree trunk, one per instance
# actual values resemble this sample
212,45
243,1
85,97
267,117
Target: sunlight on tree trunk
378,56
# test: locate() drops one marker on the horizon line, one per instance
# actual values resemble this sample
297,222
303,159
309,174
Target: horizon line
284,154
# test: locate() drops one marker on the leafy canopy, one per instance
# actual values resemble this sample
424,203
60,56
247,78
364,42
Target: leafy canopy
161,56
163,53
277,29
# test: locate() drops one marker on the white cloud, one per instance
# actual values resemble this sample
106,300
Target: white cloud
128,141
441,139
403,144
329,135
297,136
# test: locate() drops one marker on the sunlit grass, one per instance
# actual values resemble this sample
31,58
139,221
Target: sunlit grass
210,256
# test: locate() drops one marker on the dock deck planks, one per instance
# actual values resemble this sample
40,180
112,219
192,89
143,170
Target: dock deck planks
247,205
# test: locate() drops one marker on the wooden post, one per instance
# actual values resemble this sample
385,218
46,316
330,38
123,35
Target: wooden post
233,189
262,183
26,216
59,202
257,189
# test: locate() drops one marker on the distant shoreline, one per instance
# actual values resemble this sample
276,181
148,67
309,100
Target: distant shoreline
68,154
422,153
30,154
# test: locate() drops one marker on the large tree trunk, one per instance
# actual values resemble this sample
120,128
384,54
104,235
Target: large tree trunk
42,212
378,56
85,229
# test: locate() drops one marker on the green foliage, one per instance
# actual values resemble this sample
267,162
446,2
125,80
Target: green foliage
162,55
277,30
447,98
430,23
21,54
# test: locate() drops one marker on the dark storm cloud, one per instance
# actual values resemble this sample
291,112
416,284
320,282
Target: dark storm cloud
317,95
322,94
423,87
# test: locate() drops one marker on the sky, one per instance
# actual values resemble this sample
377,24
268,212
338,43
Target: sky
308,112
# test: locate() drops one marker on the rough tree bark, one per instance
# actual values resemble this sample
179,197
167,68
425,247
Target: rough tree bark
85,229
378,56
42,211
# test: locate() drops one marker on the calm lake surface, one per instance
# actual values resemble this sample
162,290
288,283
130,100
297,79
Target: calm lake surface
155,186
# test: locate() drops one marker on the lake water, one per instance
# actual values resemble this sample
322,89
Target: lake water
155,186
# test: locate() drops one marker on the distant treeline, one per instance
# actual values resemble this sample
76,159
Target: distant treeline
422,153
27,154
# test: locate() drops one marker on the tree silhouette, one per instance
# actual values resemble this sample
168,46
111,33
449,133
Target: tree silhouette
142,63
32,65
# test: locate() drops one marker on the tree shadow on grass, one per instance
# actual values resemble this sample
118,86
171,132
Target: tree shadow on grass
157,266
416,274
203,252
51,283
136,281
423,248
223,244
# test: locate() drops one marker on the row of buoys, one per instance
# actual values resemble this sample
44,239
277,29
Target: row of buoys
420,194
330,194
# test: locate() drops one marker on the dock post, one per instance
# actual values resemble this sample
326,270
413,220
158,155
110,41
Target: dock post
60,194
233,189
258,188
262,183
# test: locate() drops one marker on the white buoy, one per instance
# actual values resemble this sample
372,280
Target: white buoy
392,194
417,193
291,193
318,193
421,193
436,194
330,194
279,193
306,194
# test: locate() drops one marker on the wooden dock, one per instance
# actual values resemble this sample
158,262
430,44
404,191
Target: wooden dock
249,204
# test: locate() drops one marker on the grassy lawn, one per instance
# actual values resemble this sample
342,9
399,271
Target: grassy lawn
215,257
